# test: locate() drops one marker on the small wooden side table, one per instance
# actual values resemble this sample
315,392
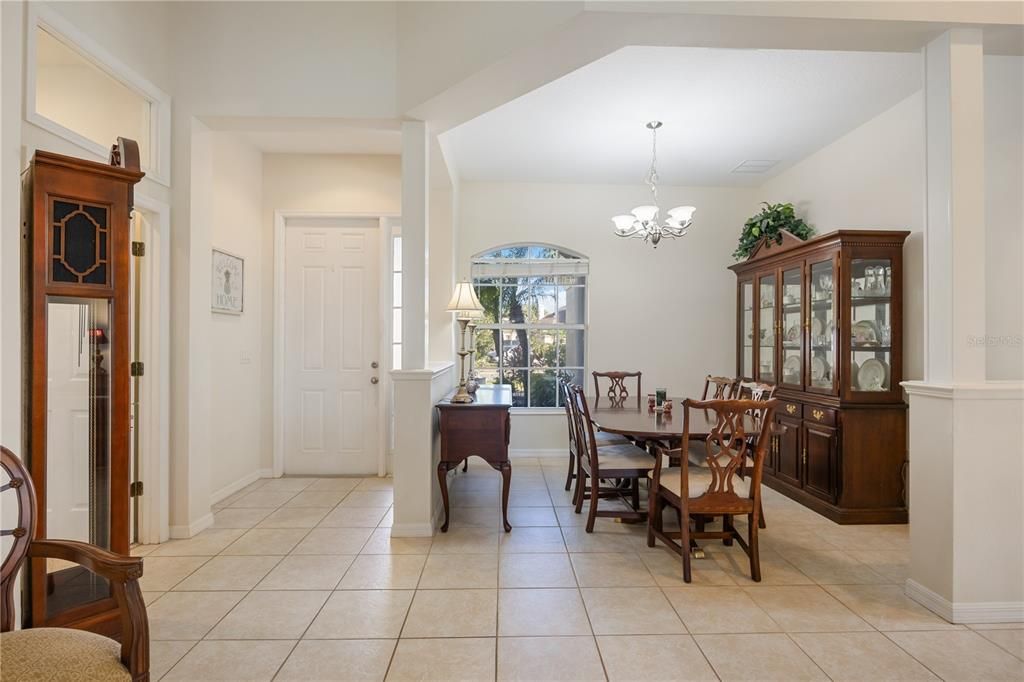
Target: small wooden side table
479,428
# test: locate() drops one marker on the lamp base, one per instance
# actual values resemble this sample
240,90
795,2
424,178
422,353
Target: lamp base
461,395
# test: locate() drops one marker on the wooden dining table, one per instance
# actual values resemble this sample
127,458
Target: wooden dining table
646,425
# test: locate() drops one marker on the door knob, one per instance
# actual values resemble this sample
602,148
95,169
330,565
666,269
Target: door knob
374,380
374,364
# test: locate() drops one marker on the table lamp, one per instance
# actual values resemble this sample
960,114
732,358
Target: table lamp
466,307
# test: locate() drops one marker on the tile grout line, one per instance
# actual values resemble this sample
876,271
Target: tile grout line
281,558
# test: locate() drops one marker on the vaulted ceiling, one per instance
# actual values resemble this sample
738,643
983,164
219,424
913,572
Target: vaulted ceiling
720,108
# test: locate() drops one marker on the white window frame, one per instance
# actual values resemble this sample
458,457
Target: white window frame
478,260
42,17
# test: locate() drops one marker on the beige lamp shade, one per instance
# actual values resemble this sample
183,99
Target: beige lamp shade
464,301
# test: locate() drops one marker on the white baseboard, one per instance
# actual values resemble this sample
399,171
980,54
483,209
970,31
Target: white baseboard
232,488
521,453
196,527
419,530
965,612
412,530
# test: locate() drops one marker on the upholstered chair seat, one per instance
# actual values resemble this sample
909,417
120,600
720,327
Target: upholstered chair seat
698,482
625,456
60,655
603,438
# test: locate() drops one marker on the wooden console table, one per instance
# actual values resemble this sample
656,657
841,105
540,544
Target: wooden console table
479,428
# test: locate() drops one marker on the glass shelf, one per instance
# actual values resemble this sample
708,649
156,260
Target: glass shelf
871,320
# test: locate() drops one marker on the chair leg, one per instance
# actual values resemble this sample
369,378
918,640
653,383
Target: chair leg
581,488
653,517
569,476
684,541
760,516
595,496
727,527
636,494
755,557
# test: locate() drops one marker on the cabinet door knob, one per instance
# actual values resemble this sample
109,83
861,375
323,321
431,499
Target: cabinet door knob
374,380
374,364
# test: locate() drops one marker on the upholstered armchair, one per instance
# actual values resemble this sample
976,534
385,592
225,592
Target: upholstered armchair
55,654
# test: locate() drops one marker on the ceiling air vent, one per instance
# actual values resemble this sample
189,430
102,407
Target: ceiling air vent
755,166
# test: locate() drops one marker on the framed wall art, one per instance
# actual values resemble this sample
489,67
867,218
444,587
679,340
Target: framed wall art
228,290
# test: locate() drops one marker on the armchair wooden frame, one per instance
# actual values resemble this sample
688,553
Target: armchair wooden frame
123,572
726,448
617,392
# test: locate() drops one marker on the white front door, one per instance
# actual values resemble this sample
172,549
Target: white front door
331,347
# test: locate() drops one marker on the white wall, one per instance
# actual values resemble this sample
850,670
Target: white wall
871,178
669,312
237,447
1004,216
331,183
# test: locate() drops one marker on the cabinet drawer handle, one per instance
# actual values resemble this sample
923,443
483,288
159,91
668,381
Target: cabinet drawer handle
791,409
818,414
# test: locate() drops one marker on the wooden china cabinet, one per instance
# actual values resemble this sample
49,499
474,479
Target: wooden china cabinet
823,320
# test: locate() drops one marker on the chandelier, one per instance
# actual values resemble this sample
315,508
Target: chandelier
643,222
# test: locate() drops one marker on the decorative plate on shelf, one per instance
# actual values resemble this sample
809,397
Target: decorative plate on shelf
793,333
816,326
865,333
830,329
854,370
873,375
791,367
819,369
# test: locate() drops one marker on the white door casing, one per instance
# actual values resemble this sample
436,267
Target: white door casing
331,336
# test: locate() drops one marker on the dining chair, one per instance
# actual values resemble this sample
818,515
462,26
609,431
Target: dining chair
618,463
755,390
602,437
725,388
717,491
618,391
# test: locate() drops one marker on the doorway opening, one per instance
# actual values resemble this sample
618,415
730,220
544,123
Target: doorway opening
150,381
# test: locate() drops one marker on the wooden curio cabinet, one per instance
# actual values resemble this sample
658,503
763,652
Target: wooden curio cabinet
76,279
823,321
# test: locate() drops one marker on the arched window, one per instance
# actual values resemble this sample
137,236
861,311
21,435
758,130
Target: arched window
534,326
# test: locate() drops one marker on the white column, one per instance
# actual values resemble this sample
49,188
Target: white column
418,385
967,469
415,242
955,219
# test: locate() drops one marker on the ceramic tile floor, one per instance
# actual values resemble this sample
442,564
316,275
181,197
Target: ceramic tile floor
299,579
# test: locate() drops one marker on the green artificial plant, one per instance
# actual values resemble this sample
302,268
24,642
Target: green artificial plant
769,223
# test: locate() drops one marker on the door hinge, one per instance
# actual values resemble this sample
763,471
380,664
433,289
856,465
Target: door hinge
138,249
135,489
137,369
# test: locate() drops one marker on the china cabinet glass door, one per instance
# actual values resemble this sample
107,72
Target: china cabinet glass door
871,337
822,332
766,323
792,327
746,368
